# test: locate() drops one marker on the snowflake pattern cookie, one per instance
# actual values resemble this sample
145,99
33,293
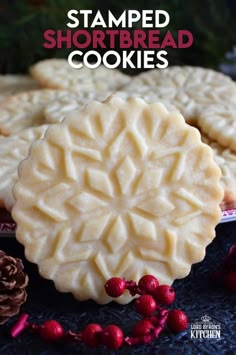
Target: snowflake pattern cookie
55,111
188,88
219,123
58,74
226,160
35,108
13,150
14,84
122,188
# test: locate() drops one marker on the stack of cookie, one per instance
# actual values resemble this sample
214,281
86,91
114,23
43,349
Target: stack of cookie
207,100
30,103
122,188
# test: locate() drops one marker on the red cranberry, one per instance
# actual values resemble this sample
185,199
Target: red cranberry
145,305
115,287
51,330
177,320
112,337
148,284
143,327
91,335
164,294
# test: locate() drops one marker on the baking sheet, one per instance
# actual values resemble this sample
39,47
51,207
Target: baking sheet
228,216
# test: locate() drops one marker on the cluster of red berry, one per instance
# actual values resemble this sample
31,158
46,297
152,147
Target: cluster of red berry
151,296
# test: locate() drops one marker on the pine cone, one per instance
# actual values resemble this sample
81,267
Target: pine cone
12,286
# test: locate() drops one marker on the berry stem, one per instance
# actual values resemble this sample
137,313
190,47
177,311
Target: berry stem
144,332
146,339
162,322
35,327
72,336
20,325
133,288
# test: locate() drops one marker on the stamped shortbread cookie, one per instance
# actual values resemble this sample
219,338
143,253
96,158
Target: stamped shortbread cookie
150,97
123,188
13,84
188,88
28,109
226,160
12,151
58,74
56,110
219,122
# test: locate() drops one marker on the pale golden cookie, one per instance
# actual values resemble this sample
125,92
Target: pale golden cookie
56,110
58,74
188,88
149,97
13,84
12,151
226,160
122,188
218,121
27,109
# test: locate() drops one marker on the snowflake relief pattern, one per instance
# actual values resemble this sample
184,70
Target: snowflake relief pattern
113,198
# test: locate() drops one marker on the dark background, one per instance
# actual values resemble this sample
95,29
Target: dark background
22,23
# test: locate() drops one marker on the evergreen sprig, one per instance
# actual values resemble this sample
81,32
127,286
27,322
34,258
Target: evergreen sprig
22,24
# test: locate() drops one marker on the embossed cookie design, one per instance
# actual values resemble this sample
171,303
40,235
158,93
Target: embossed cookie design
32,108
13,150
219,123
12,84
123,188
188,88
226,160
58,74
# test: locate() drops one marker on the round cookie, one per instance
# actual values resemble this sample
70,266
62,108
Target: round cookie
27,109
56,110
14,84
226,160
123,188
58,74
218,121
12,151
149,97
188,88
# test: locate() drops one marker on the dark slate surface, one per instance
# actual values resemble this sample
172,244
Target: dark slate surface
196,294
